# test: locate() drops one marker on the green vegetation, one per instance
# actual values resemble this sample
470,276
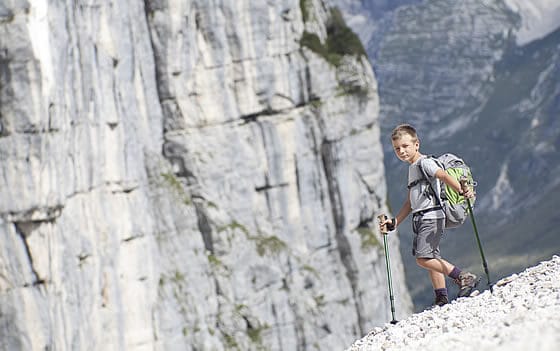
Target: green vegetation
344,302
304,11
315,102
214,261
178,277
254,333
320,300
239,308
341,40
311,270
271,244
343,90
233,226
175,284
230,341
265,244
194,330
368,238
176,185
312,41
172,180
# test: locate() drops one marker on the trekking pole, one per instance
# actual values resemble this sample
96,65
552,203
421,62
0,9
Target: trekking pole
391,297
463,182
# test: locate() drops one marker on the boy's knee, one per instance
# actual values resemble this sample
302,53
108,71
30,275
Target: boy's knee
421,261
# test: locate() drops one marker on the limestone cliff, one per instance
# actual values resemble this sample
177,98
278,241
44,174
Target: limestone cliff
188,175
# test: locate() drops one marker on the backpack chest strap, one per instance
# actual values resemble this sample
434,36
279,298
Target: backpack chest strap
416,182
423,212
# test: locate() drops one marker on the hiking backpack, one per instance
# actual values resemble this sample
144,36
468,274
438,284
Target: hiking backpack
454,205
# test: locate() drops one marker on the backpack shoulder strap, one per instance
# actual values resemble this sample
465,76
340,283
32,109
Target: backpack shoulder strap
424,177
436,194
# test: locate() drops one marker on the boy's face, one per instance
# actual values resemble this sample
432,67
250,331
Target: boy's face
406,148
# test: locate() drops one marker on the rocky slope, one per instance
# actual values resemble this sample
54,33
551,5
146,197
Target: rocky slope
522,313
187,175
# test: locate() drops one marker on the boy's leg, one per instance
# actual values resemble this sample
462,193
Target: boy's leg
425,247
438,282
439,268
438,279
438,265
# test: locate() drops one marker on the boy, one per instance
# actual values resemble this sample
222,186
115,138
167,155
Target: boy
428,218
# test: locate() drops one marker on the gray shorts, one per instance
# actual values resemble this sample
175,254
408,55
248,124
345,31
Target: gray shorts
427,234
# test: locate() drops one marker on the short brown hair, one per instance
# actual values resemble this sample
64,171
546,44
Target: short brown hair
404,129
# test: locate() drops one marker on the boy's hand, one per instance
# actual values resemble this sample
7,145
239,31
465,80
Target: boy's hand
468,192
385,224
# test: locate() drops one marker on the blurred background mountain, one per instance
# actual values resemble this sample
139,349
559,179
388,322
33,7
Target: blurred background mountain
479,79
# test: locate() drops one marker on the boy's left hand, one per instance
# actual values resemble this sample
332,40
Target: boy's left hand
468,192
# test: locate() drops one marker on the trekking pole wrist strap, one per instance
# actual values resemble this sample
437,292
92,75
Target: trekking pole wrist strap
391,226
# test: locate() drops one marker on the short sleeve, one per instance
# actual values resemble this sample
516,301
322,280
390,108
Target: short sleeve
430,167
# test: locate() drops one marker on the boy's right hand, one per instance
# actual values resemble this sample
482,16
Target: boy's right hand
386,224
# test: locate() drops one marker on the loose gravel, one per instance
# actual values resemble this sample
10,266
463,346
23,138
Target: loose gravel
522,313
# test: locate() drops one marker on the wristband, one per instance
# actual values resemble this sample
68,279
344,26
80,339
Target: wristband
391,226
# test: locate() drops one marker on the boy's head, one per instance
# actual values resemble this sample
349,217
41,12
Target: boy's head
403,129
405,143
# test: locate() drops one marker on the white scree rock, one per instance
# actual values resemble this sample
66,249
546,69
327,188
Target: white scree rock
522,313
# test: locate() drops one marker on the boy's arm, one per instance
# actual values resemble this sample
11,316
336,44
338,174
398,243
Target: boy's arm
390,224
452,182
405,210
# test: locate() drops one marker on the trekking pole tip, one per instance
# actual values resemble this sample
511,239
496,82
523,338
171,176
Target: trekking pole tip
394,321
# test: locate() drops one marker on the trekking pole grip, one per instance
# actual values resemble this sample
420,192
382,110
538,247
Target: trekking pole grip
464,182
383,218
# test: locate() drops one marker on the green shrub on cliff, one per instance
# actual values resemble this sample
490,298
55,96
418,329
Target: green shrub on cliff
341,40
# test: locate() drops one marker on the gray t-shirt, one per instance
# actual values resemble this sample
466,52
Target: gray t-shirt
420,193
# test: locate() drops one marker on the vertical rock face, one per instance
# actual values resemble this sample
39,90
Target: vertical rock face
188,175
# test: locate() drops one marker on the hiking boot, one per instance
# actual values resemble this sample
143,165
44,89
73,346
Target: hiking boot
441,300
466,282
